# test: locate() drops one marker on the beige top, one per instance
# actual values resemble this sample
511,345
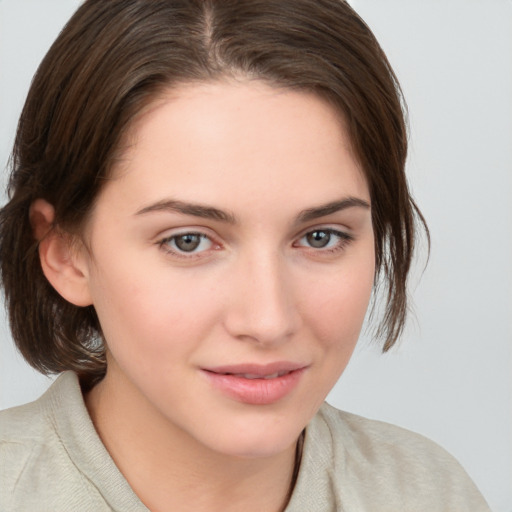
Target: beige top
52,460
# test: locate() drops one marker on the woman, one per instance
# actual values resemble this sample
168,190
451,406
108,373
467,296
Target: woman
203,197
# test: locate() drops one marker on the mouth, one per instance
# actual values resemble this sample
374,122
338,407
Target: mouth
256,384
253,376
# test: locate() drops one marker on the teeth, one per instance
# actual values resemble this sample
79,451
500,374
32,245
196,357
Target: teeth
252,376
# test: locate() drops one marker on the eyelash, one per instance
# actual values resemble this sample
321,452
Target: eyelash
164,244
343,240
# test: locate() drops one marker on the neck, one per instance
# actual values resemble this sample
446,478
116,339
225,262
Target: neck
169,470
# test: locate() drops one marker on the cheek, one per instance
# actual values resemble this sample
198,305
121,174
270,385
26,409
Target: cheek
338,308
149,308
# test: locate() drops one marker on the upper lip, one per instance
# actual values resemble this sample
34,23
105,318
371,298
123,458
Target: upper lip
261,370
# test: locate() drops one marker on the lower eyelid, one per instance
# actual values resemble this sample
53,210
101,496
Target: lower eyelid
344,240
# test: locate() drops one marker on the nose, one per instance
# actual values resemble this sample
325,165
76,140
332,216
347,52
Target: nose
262,301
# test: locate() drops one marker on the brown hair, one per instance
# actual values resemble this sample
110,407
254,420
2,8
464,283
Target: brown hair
112,59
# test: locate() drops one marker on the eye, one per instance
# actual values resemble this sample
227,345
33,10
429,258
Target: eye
325,239
187,243
318,239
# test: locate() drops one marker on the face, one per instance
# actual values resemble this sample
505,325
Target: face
231,261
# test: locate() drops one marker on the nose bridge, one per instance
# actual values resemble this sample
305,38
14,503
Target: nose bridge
263,308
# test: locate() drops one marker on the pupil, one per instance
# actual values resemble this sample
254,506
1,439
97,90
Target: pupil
188,242
318,239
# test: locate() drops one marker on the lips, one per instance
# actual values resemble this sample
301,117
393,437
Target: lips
256,384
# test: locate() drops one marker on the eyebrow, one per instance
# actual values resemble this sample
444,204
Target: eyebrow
330,208
210,212
196,210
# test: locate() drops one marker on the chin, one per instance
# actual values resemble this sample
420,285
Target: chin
246,449
256,440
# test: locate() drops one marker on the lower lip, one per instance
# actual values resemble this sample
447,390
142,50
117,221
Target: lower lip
255,391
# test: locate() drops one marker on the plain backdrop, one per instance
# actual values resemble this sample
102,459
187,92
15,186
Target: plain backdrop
450,379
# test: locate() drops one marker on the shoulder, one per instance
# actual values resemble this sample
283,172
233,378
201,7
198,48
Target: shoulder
25,431
23,424
380,440
34,424
373,465
36,470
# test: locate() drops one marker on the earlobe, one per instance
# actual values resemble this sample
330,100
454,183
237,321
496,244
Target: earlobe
63,264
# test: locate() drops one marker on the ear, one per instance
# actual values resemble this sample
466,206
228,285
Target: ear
64,263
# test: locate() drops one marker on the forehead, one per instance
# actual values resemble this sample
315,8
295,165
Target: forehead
219,141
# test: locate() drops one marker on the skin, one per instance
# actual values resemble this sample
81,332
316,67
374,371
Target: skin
254,291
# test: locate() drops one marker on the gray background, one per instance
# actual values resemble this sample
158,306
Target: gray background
450,378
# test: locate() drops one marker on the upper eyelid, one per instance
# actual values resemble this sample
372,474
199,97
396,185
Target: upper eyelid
186,230
184,233
344,231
